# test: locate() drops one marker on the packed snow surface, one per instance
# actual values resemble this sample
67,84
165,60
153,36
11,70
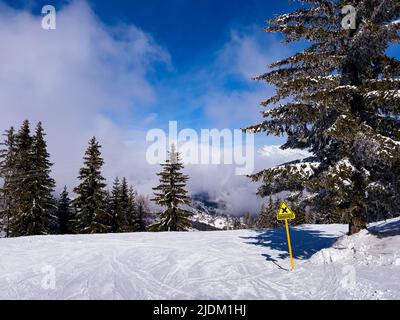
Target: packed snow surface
205,265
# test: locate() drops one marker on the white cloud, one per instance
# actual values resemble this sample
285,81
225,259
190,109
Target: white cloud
246,53
69,77
238,192
272,151
244,56
81,77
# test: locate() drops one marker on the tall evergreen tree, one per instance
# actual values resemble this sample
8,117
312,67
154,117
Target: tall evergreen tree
32,185
45,206
267,217
171,193
22,181
7,173
92,216
143,211
65,214
249,220
108,205
340,100
117,208
130,207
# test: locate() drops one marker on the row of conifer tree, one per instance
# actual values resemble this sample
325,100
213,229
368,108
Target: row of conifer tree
29,207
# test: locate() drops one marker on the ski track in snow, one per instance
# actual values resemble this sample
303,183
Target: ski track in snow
206,265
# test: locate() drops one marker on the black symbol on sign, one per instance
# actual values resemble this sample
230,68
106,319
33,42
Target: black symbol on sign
284,210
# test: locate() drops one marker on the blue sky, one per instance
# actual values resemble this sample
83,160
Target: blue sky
116,69
192,30
210,49
194,33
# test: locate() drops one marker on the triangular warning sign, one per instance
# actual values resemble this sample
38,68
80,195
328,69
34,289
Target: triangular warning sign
285,213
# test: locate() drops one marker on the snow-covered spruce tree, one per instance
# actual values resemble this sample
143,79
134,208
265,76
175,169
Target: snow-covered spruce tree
249,220
7,163
133,223
237,225
21,181
267,216
340,100
143,213
116,211
44,204
122,207
171,193
90,205
107,205
65,214
31,185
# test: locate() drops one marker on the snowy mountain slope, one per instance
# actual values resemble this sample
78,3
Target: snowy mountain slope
216,221
210,213
206,218
205,265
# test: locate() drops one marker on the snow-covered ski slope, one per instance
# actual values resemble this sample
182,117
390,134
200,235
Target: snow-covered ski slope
205,265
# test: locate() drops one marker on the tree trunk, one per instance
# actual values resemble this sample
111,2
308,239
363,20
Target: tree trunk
8,225
357,222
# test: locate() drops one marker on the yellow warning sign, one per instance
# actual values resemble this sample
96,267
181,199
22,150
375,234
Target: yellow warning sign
285,213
